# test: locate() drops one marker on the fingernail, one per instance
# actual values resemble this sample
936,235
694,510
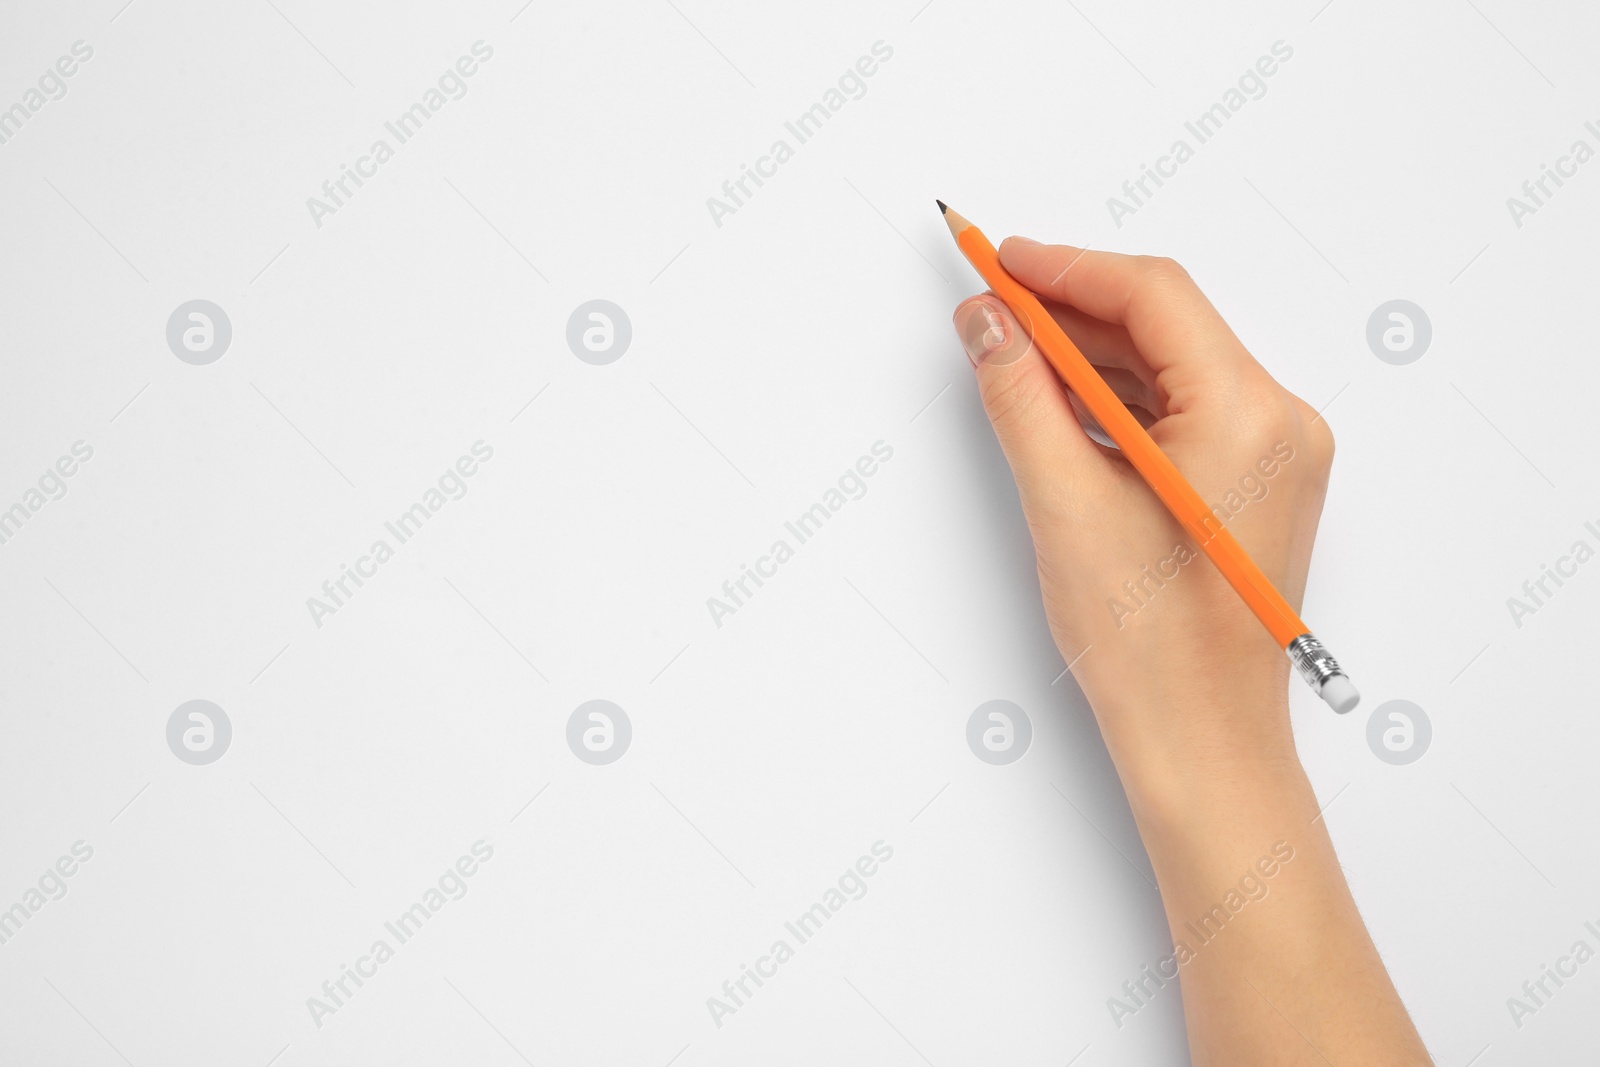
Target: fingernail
981,328
1023,240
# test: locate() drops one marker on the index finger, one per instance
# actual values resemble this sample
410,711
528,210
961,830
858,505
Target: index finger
1169,319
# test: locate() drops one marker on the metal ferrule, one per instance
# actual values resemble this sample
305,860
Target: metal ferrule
1313,662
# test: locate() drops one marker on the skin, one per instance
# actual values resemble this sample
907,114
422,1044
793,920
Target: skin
1190,692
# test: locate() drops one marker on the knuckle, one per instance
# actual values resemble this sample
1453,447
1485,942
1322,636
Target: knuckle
1163,270
1320,442
1283,419
1315,435
1269,416
1266,404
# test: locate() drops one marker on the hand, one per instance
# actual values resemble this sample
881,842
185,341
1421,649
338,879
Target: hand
1190,691
1177,669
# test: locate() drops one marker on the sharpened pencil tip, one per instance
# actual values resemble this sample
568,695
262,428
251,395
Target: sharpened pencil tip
942,207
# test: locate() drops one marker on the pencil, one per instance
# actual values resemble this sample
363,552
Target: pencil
1310,658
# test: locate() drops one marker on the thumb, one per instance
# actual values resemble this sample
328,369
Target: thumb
1028,405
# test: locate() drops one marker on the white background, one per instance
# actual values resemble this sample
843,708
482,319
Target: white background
768,353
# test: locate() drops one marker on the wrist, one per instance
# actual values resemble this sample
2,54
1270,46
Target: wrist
1211,791
1190,757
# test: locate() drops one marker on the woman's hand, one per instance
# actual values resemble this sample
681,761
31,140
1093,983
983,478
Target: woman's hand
1190,691
1174,664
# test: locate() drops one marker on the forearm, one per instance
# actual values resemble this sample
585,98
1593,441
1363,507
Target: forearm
1275,964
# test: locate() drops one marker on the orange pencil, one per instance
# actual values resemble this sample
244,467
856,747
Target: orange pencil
1318,668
